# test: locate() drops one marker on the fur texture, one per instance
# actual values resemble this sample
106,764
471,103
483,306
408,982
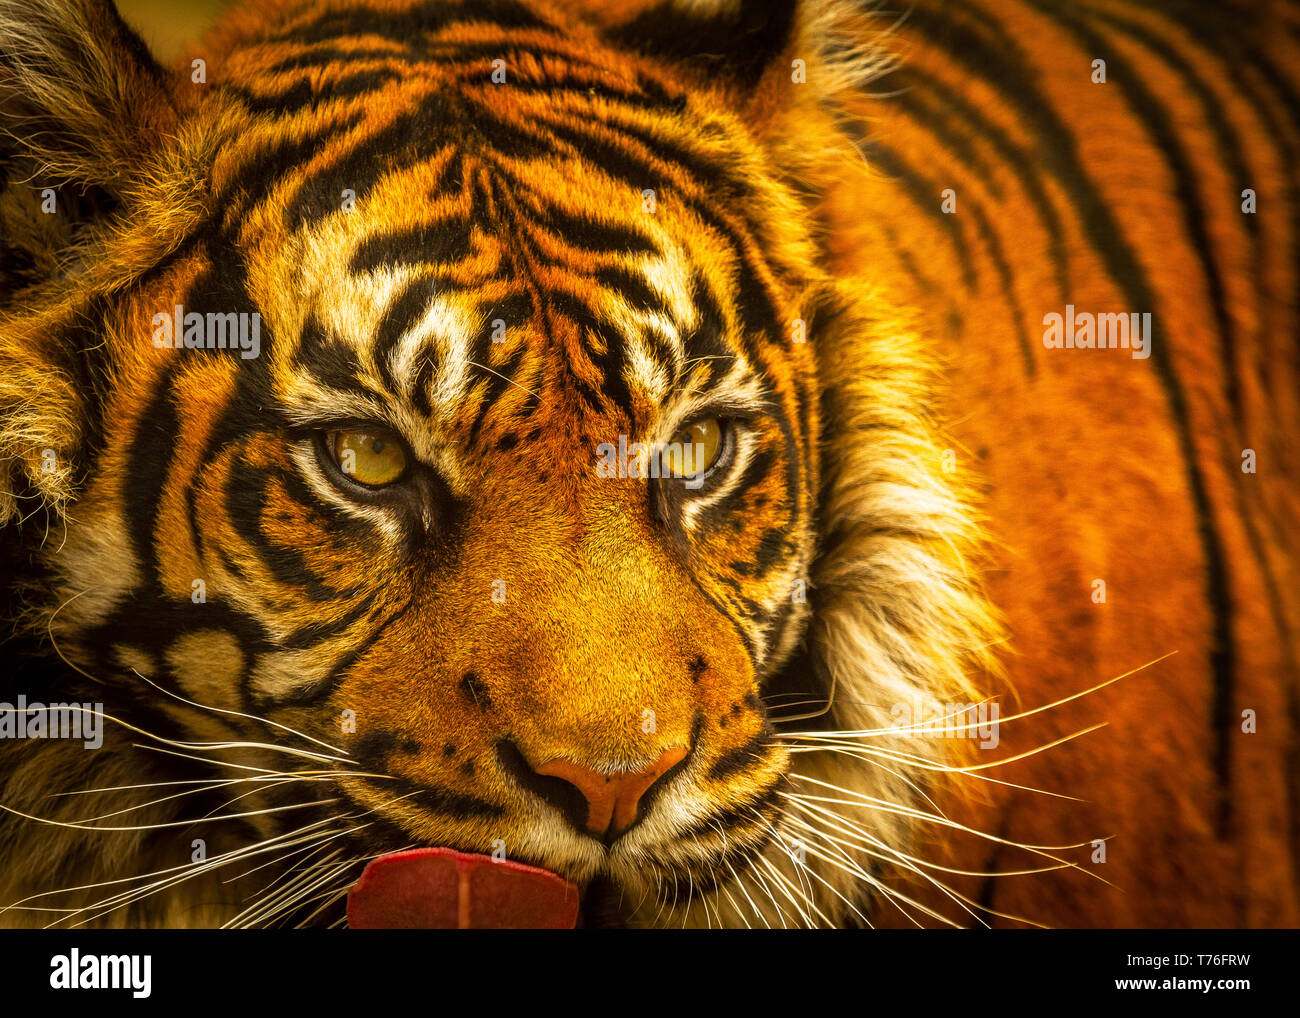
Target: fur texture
676,212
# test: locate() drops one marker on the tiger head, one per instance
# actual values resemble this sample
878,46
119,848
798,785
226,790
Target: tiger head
458,416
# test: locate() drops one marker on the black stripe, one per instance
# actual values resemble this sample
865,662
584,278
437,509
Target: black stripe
707,340
736,816
948,123
951,104
495,385
442,242
149,458
1230,148
632,287
321,689
408,27
332,56
245,499
317,632
444,802
925,193
414,135
1155,118
738,42
405,312
1258,79
310,93
252,182
331,362
82,336
757,470
1003,269
755,302
1004,68
581,233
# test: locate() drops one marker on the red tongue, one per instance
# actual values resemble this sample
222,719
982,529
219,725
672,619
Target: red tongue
442,889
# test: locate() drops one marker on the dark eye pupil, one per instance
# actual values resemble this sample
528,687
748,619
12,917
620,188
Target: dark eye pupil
377,444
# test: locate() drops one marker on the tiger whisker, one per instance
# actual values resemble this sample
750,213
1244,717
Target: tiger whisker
848,865
708,920
895,730
484,367
271,862
240,714
761,880
842,847
758,910
776,834
735,877
54,643
253,912
967,903
787,888
83,826
1043,850
345,889
201,868
301,883
245,795
898,853
865,754
126,880
333,896
190,870
206,786
304,775
291,751
833,889
207,760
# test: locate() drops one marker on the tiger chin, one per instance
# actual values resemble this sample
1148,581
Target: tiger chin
376,587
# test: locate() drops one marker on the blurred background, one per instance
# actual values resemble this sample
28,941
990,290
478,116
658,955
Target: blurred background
169,25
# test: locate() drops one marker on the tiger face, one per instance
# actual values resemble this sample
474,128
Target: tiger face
503,524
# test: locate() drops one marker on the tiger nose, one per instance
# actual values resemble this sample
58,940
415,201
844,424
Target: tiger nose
612,796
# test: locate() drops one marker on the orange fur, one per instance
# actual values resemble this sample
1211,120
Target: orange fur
527,609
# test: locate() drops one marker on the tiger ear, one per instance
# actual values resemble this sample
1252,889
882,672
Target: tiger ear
82,104
80,94
736,41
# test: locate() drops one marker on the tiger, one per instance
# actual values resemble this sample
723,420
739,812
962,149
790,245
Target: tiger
767,465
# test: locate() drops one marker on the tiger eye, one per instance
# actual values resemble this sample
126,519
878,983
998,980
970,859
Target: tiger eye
693,449
373,458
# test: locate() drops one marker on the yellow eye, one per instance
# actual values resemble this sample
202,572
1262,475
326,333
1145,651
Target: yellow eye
693,449
373,458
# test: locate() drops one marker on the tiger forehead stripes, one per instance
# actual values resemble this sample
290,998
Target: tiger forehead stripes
386,312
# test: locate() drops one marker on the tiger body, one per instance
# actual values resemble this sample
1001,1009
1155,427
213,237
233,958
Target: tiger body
632,220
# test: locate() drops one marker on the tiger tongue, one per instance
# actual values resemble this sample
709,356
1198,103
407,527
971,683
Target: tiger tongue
442,889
